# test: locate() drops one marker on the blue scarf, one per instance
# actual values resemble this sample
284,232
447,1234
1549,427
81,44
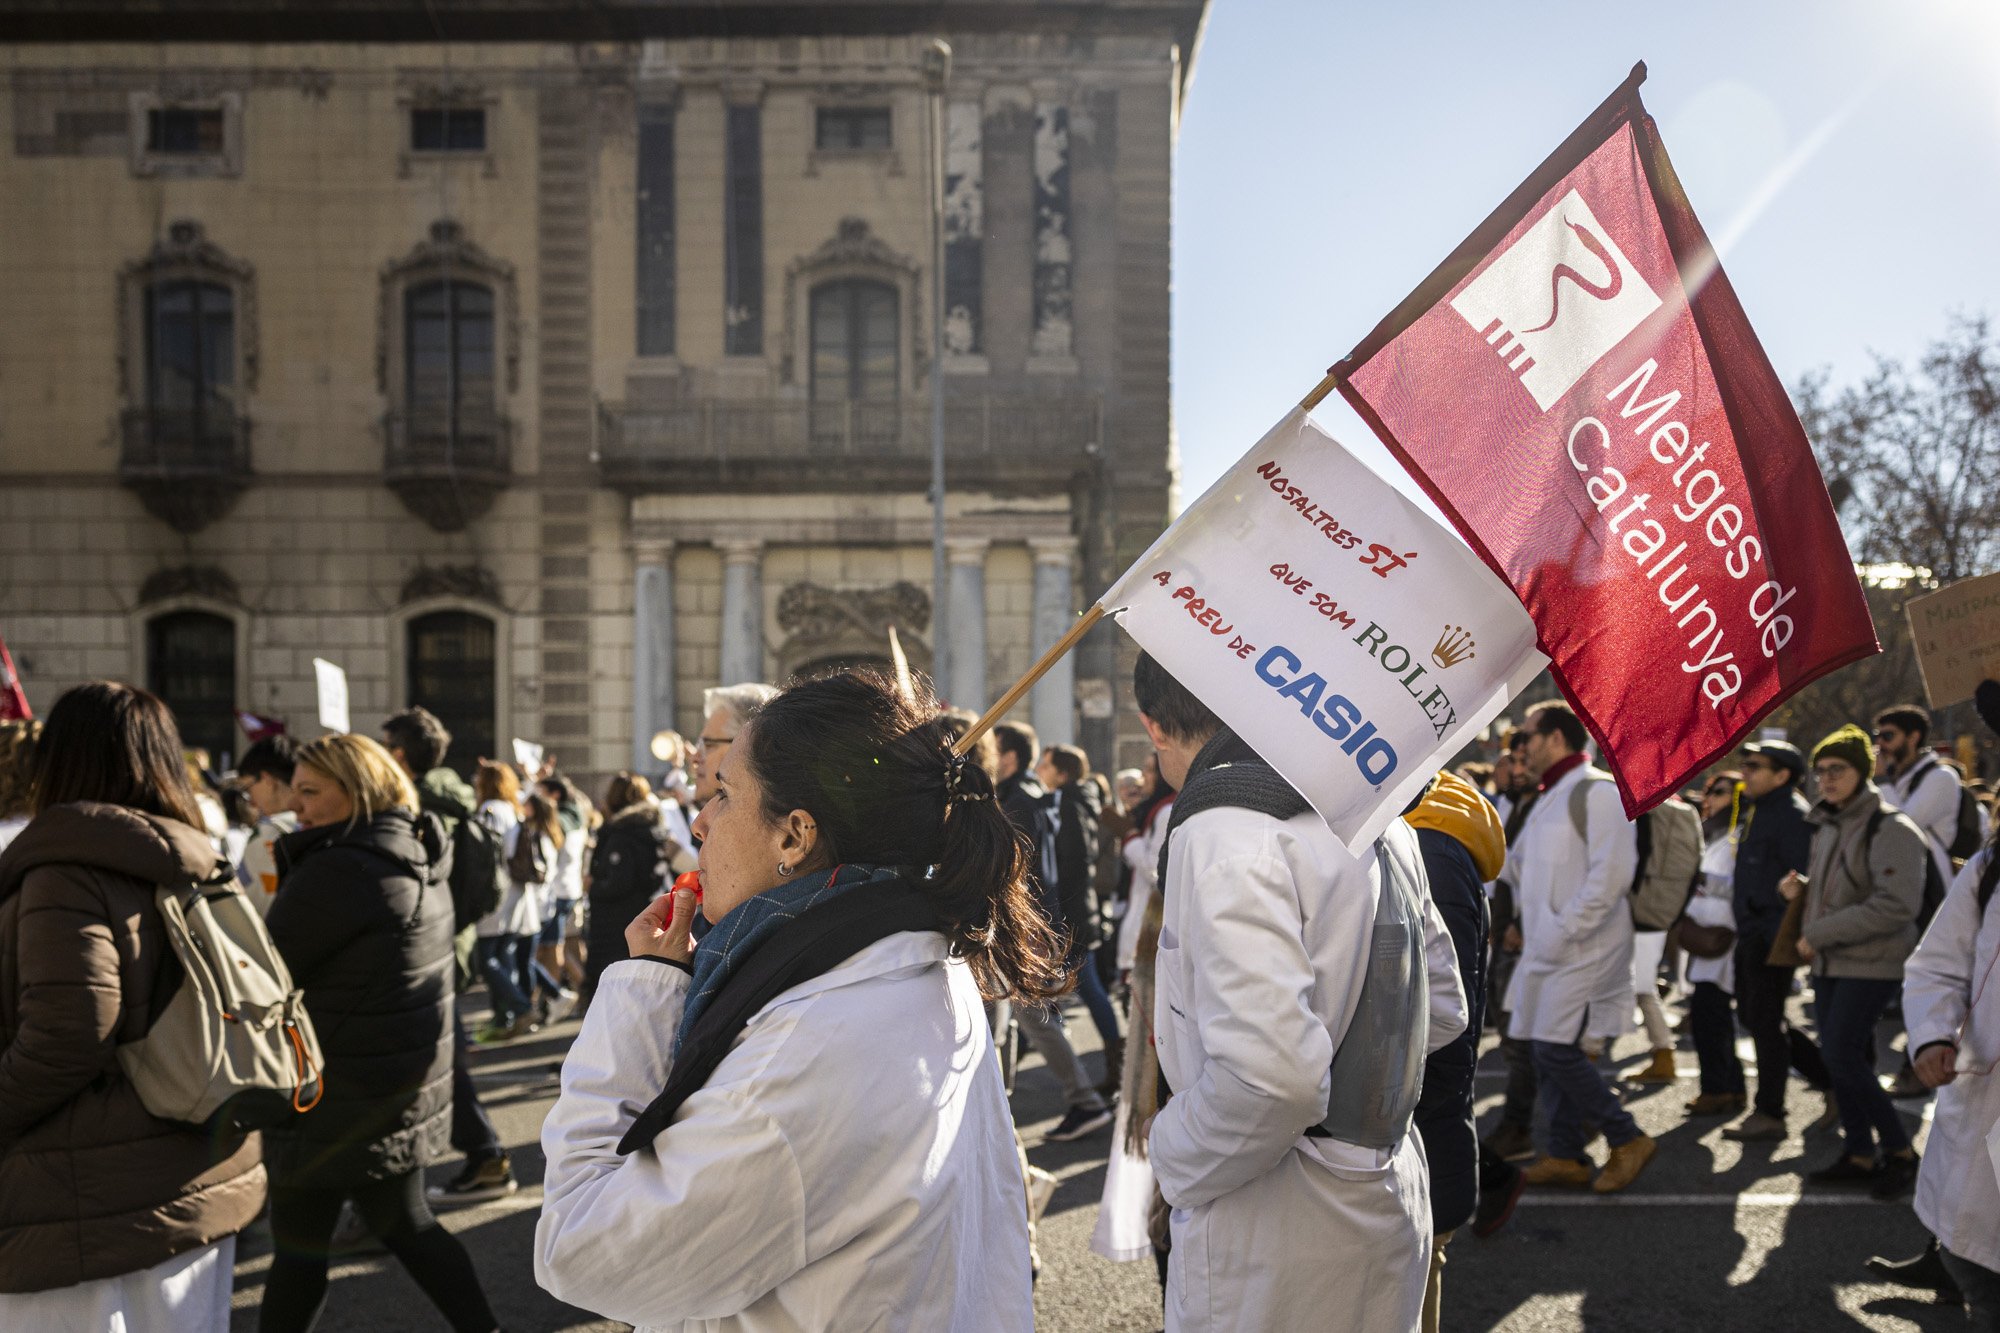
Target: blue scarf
751,922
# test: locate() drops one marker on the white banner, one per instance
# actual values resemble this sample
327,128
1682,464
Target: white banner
332,682
527,758
1332,624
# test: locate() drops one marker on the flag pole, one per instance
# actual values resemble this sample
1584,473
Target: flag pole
1084,624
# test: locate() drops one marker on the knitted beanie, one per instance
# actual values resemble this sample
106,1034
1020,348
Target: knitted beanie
1850,744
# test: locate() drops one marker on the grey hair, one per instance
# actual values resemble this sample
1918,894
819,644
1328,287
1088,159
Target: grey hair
741,701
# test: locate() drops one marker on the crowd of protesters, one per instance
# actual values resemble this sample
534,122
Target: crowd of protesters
794,1083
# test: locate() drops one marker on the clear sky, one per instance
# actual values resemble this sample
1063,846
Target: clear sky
1844,155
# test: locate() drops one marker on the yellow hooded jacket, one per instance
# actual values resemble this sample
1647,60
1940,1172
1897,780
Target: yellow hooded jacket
1455,807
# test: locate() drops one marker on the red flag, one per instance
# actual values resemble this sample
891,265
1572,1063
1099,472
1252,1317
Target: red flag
1577,388
13,703
259,728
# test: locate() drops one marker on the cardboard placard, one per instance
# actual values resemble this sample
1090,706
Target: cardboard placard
1957,634
332,694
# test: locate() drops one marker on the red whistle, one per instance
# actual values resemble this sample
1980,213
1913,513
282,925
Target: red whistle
690,881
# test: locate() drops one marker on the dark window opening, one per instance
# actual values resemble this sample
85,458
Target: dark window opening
851,128
191,665
184,131
743,234
454,129
451,672
854,341
656,231
448,361
191,361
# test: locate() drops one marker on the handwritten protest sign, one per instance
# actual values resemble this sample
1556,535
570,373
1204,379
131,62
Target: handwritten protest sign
332,682
1331,623
527,756
1957,633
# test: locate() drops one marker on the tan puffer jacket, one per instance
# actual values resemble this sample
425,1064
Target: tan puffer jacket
92,1185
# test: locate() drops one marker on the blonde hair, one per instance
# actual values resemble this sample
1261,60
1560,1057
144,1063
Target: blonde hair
371,778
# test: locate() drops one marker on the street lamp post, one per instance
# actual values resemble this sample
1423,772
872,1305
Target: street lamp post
937,72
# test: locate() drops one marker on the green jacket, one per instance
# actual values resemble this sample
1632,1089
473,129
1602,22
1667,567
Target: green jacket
450,797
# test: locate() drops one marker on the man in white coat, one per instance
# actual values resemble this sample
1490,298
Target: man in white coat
1572,866
1263,959
1951,1008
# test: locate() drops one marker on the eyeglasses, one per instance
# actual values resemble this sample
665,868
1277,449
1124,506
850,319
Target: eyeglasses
1825,771
715,742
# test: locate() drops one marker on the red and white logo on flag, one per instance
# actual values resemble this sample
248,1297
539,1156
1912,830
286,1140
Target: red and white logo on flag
1616,446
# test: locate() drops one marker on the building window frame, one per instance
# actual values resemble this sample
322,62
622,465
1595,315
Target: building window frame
850,120
656,248
446,97
856,252
446,255
743,333
224,160
184,254
139,635
401,623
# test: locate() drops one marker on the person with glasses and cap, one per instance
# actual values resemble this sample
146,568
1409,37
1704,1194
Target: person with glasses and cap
1773,841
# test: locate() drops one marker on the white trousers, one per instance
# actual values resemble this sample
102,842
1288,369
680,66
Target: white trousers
1648,947
189,1293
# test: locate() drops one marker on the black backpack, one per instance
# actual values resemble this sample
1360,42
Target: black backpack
527,864
1934,885
475,870
1965,838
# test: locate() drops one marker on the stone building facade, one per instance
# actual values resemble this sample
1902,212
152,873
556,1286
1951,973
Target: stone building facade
549,382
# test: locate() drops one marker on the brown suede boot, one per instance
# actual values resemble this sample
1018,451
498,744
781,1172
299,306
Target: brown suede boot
1661,1072
1627,1161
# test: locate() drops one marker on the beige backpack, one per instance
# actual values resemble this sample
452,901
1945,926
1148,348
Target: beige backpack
233,1038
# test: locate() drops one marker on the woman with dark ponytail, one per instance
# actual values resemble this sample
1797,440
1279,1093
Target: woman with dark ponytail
825,1142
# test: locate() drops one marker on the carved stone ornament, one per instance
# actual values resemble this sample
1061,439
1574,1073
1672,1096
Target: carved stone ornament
474,583
190,581
855,251
851,623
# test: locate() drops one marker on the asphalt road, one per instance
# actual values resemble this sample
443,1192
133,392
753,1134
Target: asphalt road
1714,1236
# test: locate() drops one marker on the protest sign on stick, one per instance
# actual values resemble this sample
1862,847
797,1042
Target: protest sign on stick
1957,633
1332,624
527,757
1578,390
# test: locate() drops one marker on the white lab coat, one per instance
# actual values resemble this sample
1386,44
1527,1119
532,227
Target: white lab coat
850,1165
1574,979
1263,951
1927,792
1958,1195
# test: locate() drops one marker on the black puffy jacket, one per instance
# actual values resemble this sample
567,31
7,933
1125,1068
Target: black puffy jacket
1777,840
363,918
1443,1117
1078,827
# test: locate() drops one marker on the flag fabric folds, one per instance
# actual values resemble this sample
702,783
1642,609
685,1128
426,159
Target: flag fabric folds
1331,623
1579,391
13,702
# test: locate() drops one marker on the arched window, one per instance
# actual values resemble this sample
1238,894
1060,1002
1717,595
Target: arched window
854,341
448,361
191,665
451,671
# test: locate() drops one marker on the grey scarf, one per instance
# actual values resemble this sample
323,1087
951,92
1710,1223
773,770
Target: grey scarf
1226,771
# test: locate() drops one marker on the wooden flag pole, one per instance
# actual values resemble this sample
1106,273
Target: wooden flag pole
1027,682
1083,625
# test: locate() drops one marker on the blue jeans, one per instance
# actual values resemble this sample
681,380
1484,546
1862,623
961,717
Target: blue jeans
500,964
1847,1010
1574,1095
1090,989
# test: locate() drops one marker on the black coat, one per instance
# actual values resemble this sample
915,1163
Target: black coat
363,918
628,869
1444,1108
1025,802
1777,840
1078,821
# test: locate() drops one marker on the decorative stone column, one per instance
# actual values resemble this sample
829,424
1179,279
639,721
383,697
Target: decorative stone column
1053,701
966,654
652,649
742,610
